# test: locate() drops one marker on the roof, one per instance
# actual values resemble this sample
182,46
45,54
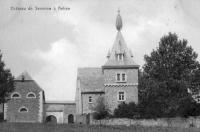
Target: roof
120,47
24,80
24,75
60,102
91,79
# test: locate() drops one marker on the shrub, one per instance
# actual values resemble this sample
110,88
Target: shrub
124,110
101,111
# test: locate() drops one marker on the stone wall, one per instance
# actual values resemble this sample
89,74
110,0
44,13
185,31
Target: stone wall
32,104
86,106
161,122
69,109
111,95
130,87
110,75
61,110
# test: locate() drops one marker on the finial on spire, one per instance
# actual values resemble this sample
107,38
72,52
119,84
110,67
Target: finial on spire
119,21
118,11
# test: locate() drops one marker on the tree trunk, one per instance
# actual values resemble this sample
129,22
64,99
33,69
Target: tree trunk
3,110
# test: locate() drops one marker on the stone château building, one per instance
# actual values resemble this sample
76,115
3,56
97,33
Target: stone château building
116,81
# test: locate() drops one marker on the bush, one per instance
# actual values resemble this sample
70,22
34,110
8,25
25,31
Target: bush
100,110
1,117
124,110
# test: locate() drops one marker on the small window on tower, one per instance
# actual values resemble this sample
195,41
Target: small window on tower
121,96
120,57
118,76
90,99
123,77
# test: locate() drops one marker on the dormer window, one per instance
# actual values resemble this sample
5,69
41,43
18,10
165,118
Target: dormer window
120,57
23,110
15,95
23,77
31,95
121,77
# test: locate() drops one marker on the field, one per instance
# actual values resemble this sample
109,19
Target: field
28,127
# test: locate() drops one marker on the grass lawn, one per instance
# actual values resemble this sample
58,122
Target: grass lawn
28,127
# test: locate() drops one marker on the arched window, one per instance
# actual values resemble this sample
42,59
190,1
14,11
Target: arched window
23,109
121,96
15,95
31,95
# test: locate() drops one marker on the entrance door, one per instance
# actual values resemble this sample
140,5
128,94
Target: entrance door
51,119
70,118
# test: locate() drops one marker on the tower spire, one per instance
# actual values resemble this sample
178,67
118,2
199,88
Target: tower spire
118,21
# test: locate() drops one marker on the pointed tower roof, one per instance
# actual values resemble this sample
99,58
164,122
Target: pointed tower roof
120,47
24,76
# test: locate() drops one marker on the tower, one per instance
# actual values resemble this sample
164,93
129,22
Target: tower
120,72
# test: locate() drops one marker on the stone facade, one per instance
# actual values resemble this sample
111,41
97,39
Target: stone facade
27,104
89,106
21,107
62,111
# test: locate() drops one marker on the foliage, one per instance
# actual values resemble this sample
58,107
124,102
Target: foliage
101,111
6,82
126,110
167,74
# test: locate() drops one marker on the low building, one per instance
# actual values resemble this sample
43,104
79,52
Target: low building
26,103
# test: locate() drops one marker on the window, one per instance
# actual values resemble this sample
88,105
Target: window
121,77
120,56
23,110
118,76
121,96
90,99
31,95
15,95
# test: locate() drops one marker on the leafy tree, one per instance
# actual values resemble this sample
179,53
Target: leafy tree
125,110
6,82
101,110
167,74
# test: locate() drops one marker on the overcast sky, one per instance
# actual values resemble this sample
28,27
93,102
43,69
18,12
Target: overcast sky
51,45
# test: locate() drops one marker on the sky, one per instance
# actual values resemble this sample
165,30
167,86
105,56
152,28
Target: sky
51,45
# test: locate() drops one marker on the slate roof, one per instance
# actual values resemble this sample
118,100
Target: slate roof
91,79
27,82
120,47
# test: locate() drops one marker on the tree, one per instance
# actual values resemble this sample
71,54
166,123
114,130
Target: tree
101,111
125,110
167,74
6,82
